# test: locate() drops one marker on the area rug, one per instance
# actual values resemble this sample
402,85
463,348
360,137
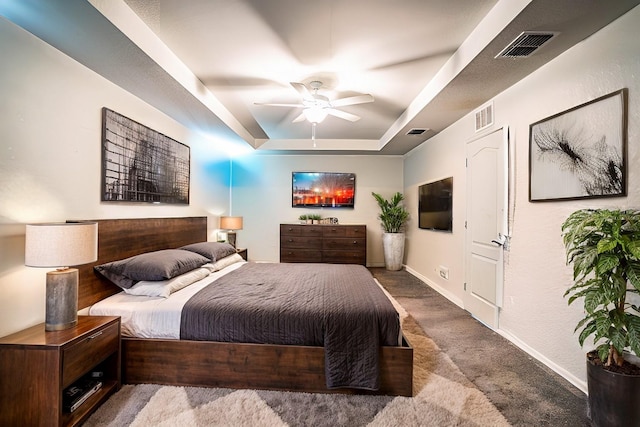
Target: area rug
442,396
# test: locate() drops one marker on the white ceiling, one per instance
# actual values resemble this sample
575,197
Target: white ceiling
207,62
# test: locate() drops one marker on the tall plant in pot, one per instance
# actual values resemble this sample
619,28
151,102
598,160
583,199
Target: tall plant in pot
604,248
393,217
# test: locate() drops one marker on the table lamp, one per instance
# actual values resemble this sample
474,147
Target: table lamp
231,223
61,245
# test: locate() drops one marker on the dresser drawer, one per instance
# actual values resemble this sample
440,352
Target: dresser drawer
300,230
344,257
80,357
344,243
345,231
298,255
300,242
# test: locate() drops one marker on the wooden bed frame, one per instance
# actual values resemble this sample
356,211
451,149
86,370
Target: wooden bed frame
216,364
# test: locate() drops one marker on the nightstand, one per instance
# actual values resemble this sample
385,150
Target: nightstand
242,252
37,366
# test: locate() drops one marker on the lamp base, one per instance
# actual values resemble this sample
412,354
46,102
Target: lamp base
231,238
62,299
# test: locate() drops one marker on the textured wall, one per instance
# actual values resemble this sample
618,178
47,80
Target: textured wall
50,160
535,315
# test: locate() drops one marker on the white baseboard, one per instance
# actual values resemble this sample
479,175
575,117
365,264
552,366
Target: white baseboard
577,382
448,295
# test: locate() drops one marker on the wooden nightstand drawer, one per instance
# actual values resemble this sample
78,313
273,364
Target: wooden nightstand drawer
80,357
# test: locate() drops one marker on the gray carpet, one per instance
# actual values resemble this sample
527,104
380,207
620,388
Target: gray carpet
443,396
525,391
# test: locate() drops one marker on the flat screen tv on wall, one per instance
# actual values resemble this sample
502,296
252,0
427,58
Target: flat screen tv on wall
323,189
435,211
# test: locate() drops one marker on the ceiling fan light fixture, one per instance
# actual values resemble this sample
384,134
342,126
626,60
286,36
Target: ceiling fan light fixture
315,115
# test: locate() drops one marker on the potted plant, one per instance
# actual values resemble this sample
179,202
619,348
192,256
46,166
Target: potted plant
316,218
393,217
303,218
604,248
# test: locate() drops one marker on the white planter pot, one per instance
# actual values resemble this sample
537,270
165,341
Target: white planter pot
393,246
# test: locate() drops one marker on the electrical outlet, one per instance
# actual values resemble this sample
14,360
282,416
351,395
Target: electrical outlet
444,272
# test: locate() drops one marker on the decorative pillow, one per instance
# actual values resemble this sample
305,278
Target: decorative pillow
164,288
212,250
224,262
154,266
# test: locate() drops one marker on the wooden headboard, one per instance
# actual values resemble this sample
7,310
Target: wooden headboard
122,238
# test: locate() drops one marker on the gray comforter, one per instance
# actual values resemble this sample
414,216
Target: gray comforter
336,306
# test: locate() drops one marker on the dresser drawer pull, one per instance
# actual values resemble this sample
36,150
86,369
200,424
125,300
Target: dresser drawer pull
96,335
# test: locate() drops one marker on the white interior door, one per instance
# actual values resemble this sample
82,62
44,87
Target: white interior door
486,225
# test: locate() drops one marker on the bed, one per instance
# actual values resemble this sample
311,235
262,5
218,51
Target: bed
212,363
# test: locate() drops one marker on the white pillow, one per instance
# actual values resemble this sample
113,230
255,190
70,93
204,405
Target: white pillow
224,262
164,288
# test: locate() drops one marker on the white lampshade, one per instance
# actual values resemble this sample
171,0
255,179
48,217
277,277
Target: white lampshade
231,223
315,115
61,244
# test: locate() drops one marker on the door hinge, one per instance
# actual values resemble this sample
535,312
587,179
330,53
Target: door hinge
465,225
465,286
466,163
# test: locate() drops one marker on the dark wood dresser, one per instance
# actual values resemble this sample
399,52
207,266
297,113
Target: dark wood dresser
335,244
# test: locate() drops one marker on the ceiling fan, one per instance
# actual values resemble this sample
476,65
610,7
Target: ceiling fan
316,107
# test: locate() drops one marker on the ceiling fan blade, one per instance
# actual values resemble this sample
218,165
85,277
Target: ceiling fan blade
302,90
351,100
279,105
343,114
299,119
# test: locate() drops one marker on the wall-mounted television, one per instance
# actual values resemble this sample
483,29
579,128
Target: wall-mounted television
323,189
435,210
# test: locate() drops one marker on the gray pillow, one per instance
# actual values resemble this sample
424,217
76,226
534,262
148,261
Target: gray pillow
212,250
159,265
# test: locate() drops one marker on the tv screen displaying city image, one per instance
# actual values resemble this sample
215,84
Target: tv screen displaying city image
435,210
323,189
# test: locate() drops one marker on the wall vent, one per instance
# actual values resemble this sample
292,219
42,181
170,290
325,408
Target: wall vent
417,131
484,116
525,44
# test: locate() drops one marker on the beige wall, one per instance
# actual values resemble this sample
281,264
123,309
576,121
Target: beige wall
535,315
50,169
50,160
262,195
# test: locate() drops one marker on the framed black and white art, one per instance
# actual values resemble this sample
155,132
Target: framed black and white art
140,164
581,152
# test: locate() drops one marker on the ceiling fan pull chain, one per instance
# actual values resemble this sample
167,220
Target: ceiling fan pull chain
313,133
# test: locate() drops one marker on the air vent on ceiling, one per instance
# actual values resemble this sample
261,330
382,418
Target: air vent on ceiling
525,44
417,131
484,116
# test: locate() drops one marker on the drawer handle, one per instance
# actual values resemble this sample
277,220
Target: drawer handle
355,242
96,335
290,240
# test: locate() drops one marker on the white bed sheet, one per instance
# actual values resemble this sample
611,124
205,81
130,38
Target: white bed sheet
153,317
